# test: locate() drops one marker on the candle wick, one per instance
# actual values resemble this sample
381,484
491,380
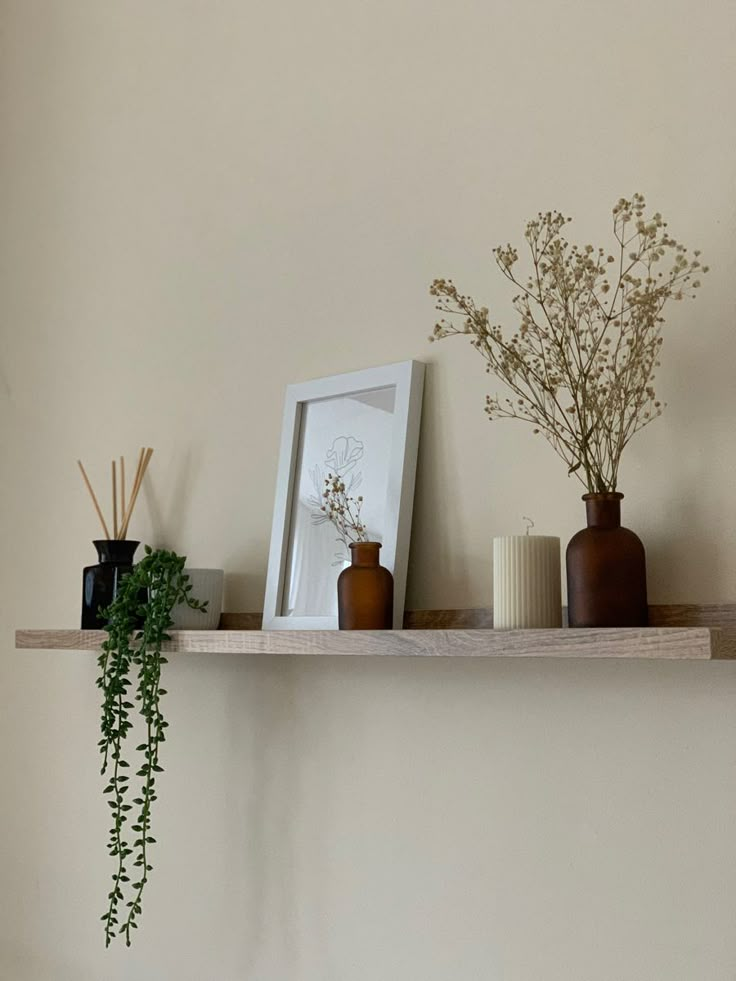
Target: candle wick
530,525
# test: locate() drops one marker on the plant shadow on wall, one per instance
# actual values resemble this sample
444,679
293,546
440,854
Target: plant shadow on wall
581,368
168,521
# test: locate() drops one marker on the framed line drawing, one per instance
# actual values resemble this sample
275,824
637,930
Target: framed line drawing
363,427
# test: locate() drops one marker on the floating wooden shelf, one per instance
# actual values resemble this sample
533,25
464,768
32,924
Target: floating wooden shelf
448,633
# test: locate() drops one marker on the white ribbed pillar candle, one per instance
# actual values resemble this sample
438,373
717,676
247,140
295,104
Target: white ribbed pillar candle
526,582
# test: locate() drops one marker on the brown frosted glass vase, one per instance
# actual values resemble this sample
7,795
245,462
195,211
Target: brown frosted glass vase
606,569
365,591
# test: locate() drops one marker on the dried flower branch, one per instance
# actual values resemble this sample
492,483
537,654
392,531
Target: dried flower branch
582,362
343,511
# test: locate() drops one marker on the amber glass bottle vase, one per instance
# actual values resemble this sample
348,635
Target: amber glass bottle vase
365,591
606,569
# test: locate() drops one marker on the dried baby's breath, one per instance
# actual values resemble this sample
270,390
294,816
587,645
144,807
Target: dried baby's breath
582,362
343,510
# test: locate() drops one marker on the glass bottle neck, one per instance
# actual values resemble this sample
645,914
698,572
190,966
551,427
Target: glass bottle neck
115,550
364,553
603,510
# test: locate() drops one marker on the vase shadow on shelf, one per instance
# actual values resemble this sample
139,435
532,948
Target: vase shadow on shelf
671,559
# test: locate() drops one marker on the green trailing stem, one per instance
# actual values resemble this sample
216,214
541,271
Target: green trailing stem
138,621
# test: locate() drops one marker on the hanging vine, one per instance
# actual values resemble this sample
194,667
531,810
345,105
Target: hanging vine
138,621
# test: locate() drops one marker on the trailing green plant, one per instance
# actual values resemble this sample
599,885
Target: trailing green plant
581,364
138,621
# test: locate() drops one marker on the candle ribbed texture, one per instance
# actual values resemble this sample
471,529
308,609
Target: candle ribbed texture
527,592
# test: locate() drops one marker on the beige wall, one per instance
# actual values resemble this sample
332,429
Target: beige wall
201,202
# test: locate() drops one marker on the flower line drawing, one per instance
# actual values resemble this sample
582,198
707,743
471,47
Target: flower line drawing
334,500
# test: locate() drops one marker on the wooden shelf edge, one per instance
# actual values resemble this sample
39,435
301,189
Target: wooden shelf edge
650,643
672,615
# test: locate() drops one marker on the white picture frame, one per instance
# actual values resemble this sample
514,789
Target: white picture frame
313,411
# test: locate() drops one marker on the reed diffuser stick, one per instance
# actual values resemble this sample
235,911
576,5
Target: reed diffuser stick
122,488
122,509
133,491
114,501
94,499
143,462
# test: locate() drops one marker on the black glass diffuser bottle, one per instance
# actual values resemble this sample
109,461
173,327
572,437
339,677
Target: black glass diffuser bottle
100,582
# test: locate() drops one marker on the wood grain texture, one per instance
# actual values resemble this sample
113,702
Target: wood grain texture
668,643
682,615
685,631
